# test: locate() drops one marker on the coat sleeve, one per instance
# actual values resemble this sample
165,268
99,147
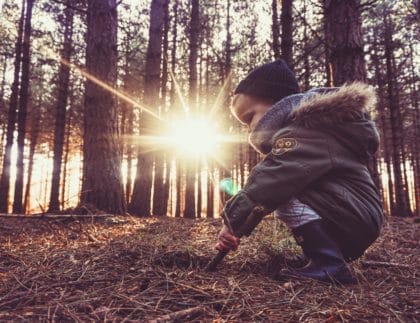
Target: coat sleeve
294,162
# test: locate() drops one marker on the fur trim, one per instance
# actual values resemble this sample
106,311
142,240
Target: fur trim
350,102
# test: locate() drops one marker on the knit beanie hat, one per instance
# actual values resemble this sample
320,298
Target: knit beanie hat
274,80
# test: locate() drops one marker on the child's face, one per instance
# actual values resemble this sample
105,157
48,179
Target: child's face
249,109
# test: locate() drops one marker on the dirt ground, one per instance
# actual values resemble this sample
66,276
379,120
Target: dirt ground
141,269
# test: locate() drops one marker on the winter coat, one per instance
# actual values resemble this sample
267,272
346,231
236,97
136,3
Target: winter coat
320,157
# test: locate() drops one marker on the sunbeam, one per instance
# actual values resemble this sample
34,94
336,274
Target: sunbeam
178,91
216,104
110,89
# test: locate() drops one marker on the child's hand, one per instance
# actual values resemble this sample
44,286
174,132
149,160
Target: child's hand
227,241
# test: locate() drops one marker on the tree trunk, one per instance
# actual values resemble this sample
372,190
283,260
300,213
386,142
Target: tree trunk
402,207
199,191
158,184
167,156
344,39
23,106
127,119
66,152
306,64
329,82
286,19
128,185
193,54
141,198
32,147
178,189
3,136
416,125
60,116
173,52
210,191
345,42
190,208
11,119
275,30
159,181
384,125
178,167
2,106
226,171
102,183
3,83
406,185
228,48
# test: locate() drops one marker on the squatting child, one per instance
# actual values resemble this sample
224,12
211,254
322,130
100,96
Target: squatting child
314,175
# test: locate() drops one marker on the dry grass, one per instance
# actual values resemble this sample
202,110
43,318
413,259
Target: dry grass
130,269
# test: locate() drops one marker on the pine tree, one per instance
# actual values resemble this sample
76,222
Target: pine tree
61,105
11,119
102,184
23,106
141,199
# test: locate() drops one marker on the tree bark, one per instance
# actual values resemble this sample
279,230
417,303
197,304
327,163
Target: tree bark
173,52
23,106
275,30
141,199
167,156
306,52
345,41
199,190
178,167
178,109
345,48
226,172
127,117
102,183
11,119
190,207
61,105
210,191
286,19
402,207
416,125
32,148
178,188
2,106
384,124
66,151
129,152
3,83
159,180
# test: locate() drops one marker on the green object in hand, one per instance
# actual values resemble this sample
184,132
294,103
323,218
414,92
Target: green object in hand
228,186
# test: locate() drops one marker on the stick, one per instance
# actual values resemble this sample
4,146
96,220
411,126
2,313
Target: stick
384,264
211,266
175,316
244,230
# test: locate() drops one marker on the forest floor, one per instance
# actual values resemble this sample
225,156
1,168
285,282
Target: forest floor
141,269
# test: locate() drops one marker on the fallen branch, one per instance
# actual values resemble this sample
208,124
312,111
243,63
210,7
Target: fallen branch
179,315
384,264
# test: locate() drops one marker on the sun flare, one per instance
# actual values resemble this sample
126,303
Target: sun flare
194,136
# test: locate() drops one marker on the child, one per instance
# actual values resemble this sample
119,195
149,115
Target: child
314,174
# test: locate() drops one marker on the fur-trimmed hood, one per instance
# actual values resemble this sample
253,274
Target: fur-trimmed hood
342,111
336,105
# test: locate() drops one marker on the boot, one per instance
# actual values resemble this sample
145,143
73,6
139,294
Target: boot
326,263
